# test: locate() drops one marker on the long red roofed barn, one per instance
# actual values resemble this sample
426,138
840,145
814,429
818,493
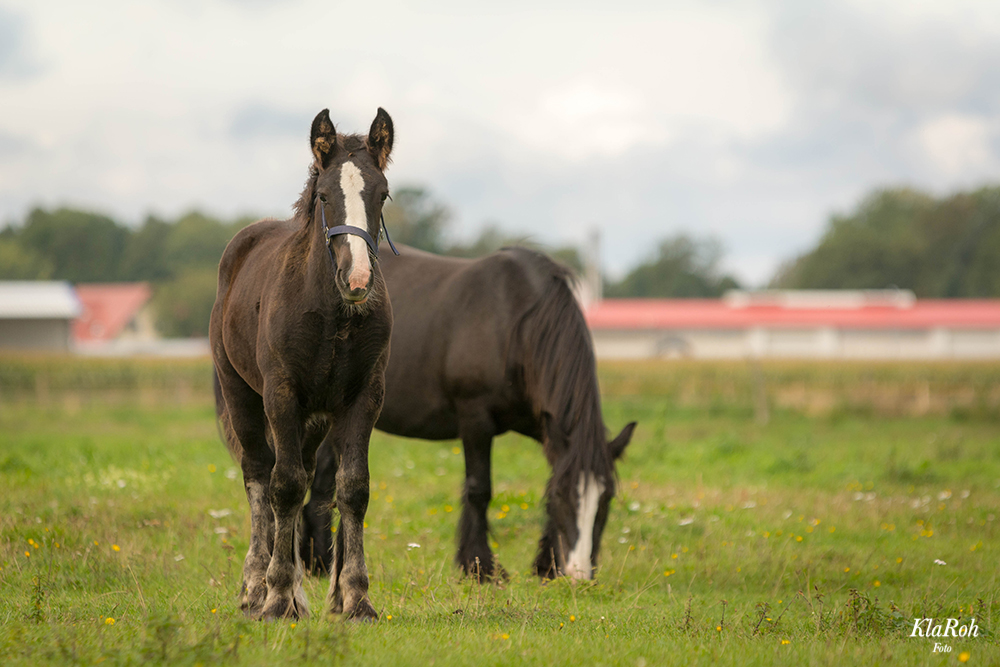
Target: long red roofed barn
878,324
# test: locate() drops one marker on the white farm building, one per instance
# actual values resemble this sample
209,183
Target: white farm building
37,315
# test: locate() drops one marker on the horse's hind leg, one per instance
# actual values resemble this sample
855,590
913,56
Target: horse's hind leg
248,425
315,543
474,554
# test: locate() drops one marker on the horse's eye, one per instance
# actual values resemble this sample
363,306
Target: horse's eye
322,198
385,196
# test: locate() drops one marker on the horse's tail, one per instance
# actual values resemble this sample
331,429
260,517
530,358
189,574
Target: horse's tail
222,424
220,402
554,348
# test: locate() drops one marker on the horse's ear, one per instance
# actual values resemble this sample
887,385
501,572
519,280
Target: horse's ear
323,139
617,446
380,138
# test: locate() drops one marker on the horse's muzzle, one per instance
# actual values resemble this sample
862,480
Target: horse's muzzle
355,295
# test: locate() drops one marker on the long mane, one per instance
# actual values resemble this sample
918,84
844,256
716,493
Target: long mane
304,206
560,375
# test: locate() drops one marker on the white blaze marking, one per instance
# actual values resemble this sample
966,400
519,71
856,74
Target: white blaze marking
578,563
352,184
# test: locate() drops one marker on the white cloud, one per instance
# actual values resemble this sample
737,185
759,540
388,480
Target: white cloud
959,145
750,121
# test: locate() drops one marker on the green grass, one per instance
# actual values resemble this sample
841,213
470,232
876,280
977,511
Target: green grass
819,531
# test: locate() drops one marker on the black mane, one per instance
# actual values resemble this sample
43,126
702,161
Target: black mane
560,374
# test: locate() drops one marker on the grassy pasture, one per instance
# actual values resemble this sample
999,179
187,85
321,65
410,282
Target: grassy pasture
786,514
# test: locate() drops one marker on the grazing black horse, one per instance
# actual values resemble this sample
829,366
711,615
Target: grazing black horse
300,335
481,347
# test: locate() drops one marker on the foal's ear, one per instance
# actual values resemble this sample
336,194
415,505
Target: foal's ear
617,446
323,139
380,138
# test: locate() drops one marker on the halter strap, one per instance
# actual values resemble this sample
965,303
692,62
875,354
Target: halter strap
357,231
372,244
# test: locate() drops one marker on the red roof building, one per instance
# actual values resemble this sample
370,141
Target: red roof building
831,324
112,312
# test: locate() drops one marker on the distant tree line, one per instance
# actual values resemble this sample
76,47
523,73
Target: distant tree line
947,247
682,266
416,219
179,257
938,247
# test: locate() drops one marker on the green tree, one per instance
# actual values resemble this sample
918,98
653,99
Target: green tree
414,218
144,257
180,258
197,240
682,268
946,247
82,247
20,263
492,237
183,305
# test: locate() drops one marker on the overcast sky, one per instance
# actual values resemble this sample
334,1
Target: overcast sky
749,121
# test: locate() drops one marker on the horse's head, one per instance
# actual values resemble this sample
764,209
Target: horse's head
349,192
579,496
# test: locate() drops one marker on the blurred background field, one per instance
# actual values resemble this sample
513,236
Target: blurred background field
810,527
812,388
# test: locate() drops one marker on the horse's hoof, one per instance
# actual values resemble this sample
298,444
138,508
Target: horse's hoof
252,601
251,613
279,608
484,570
363,611
336,605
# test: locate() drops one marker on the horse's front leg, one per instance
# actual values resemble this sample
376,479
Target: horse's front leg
295,462
348,591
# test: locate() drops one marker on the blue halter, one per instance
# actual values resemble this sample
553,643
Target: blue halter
372,244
